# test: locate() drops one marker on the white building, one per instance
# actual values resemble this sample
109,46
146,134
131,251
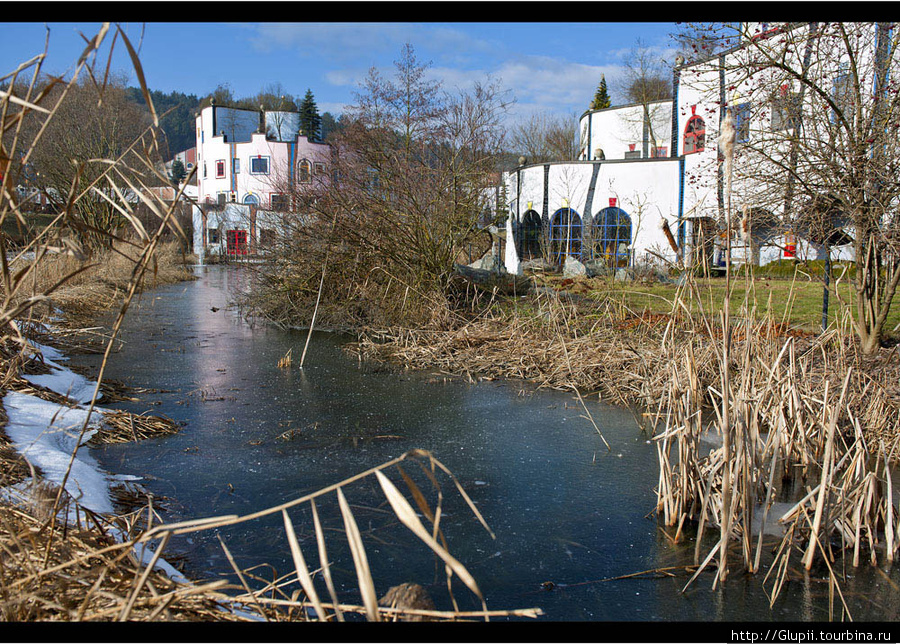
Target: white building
249,163
649,184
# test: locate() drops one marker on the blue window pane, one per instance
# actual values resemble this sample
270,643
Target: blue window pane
565,234
612,237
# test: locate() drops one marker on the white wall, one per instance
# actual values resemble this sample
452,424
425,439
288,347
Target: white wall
616,129
647,190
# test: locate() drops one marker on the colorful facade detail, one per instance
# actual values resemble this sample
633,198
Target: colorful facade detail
247,169
660,164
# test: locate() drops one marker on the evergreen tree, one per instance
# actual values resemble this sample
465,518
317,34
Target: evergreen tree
601,97
310,121
330,124
178,172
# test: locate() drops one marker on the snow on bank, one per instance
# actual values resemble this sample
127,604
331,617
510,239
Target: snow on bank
62,380
46,434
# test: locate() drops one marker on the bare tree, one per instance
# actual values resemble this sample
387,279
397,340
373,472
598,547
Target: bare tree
817,112
408,184
646,81
701,40
545,137
94,126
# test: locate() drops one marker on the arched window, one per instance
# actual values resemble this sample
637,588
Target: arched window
304,171
251,199
528,236
694,133
565,234
612,237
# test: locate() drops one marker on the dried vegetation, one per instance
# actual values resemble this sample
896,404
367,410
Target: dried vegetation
804,412
60,561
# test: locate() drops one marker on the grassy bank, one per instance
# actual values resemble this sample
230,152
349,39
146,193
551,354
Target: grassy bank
615,339
794,301
97,284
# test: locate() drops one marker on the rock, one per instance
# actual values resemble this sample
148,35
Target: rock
489,262
597,268
408,596
539,265
573,267
624,275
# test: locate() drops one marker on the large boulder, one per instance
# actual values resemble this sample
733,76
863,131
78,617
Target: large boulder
539,265
624,275
573,268
490,262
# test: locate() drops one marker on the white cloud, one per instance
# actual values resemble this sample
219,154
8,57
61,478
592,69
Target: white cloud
346,51
554,85
330,41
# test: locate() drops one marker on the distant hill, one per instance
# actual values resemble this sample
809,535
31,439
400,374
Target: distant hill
178,124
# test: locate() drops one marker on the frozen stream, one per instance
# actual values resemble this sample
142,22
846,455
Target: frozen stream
564,510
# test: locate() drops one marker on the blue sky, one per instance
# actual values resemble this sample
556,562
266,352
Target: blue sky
549,67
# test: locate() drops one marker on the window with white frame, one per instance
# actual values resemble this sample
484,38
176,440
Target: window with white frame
259,165
236,166
220,168
320,168
741,115
694,135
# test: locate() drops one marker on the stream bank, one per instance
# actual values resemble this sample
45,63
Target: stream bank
576,534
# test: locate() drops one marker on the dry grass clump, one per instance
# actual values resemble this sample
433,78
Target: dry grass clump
550,341
125,427
81,573
99,283
791,428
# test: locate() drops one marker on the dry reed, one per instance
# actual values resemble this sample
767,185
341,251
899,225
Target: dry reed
55,568
785,411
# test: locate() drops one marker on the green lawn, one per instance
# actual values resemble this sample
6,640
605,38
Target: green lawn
798,302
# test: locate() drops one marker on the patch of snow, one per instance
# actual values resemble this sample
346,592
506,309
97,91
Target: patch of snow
50,353
46,434
65,382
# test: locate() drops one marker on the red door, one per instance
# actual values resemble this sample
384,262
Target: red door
236,242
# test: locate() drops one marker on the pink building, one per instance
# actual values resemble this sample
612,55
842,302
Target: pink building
249,162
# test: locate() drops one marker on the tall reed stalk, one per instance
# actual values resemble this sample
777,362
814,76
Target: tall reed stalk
779,420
